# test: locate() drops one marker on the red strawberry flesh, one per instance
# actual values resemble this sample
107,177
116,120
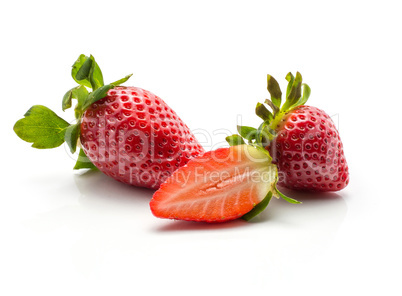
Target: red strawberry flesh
218,186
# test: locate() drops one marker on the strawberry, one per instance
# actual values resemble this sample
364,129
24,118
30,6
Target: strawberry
302,140
309,152
135,137
126,132
219,186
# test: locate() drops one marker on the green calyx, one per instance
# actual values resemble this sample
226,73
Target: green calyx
45,129
272,111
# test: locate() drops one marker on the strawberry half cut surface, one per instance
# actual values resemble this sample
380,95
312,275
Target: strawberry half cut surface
302,140
221,185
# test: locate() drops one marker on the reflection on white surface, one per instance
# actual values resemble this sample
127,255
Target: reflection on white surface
97,232
104,218
113,220
101,192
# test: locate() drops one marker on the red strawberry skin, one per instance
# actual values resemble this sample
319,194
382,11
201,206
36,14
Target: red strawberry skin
308,151
134,137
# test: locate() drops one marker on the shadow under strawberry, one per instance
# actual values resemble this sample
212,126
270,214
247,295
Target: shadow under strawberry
309,195
99,192
180,225
318,210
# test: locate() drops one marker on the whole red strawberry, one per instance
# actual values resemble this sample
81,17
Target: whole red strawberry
302,140
126,132
309,152
135,137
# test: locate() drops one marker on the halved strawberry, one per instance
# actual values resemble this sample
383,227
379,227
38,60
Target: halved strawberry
220,185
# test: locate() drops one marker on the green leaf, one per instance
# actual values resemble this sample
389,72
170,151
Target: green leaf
290,78
275,91
247,132
235,140
79,93
83,162
295,91
95,75
121,81
294,94
87,72
96,95
84,70
259,137
263,112
306,94
275,109
41,127
288,199
67,100
258,208
264,135
71,136
76,67
298,86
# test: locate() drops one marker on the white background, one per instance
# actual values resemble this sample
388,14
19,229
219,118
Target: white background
68,233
